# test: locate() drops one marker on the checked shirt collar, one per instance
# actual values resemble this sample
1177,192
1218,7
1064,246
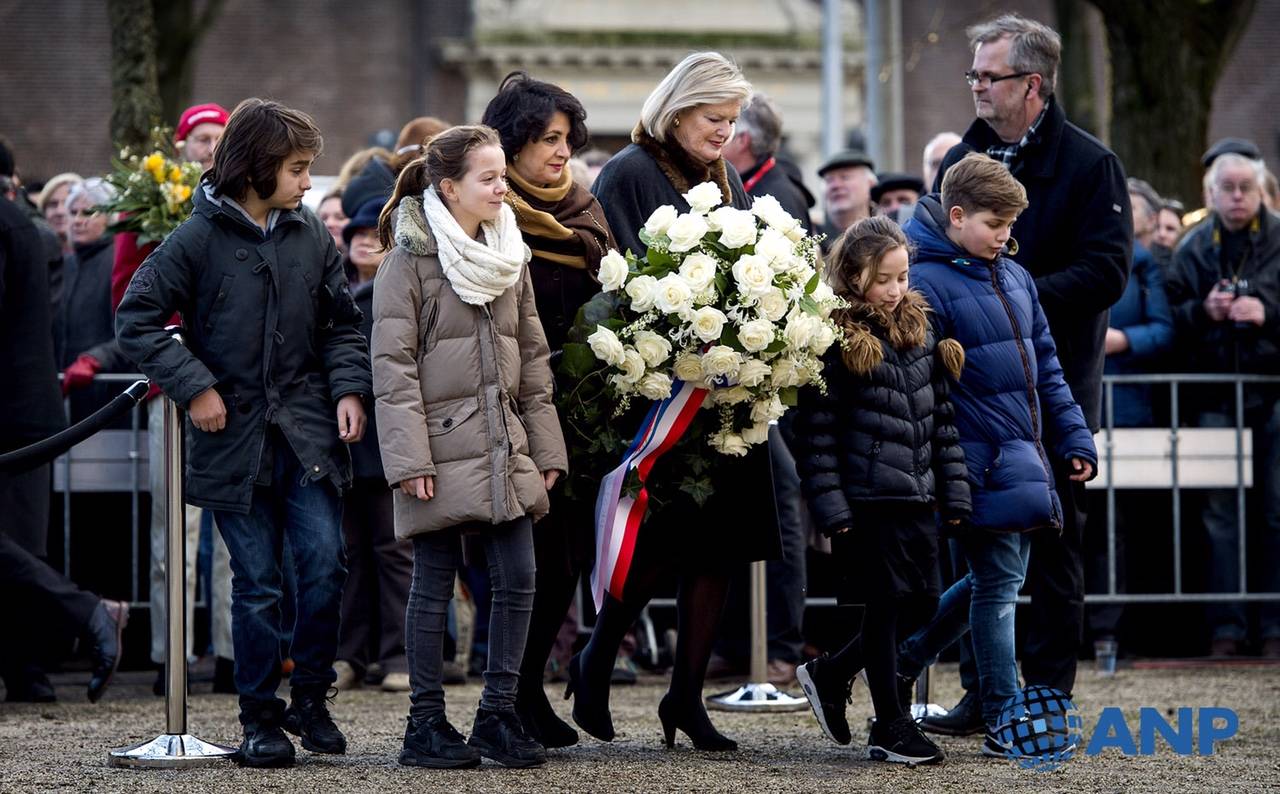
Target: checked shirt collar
1007,153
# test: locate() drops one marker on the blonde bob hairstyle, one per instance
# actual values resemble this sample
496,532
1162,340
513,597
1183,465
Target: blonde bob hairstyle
702,78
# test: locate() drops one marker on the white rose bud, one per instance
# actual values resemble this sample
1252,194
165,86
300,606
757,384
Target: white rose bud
632,366
699,270
773,305
731,396
687,231
822,339
729,444
753,372
703,197
660,220
688,367
672,294
653,348
756,434
753,275
737,227
613,271
708,323
720,361
655,386
767,410
642,290
756,335
785,373
606,346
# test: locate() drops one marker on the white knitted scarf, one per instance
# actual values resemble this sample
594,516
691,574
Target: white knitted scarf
478,272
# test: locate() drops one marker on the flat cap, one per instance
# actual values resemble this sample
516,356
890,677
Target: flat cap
1240,146
846,159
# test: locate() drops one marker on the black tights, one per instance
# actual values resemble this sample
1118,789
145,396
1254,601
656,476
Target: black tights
699,604
554,585
875,649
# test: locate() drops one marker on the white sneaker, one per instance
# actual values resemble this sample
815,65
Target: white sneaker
346,676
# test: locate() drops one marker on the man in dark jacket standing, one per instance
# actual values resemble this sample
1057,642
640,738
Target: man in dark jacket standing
1076,239
754,151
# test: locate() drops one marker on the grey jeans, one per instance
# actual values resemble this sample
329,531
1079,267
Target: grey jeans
437,556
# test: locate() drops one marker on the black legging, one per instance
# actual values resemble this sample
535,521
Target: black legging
556,580
875,649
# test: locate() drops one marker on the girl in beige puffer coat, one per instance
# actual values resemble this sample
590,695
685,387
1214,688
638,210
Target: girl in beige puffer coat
466,424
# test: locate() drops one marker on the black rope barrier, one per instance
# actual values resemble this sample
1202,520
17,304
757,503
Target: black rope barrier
47,449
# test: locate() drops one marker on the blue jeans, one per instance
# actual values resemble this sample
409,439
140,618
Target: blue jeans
508,548
985,599
310,516
1228,620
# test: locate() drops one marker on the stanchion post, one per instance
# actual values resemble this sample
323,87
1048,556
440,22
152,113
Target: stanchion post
175,748
758,694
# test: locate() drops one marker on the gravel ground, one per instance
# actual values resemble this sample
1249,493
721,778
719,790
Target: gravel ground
63,746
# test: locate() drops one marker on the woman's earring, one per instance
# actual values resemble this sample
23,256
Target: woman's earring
515,158
677,124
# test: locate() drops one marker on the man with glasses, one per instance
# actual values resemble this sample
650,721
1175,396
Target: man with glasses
1076,238
1225,293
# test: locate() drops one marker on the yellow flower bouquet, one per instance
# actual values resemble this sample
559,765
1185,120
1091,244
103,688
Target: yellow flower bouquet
153,189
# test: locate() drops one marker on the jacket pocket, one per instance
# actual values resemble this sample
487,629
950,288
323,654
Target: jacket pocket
427,324
444,419
219,302
517,430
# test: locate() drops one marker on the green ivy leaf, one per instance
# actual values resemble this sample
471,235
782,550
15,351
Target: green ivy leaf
577,360
698,489
789,396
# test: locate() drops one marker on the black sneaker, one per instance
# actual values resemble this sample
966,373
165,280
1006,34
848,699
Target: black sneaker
308,717
828,698
436,744
964,719
993,747
500,736
906,692
900,741
265,744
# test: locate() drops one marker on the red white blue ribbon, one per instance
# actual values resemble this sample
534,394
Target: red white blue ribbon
618,516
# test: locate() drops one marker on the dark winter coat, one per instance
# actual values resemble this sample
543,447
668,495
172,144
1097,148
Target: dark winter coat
1075,238
1144,316
778,181
1013,408
366,459
270,323
884,431
86,324
1209,346
30,401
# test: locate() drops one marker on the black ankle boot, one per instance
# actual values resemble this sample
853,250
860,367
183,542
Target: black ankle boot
541,721
500,736
308,717
691,718
590,701
265,744
964,719
436,744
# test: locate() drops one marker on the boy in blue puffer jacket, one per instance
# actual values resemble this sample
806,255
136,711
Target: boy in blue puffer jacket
1013,411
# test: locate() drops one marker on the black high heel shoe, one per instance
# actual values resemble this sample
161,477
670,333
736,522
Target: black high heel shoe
590,709
694,723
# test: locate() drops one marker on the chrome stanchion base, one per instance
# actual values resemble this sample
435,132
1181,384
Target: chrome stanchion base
918,712
170,751
756,697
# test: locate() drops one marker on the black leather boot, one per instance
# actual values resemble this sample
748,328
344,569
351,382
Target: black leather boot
500,736
308,717
265,744
964,719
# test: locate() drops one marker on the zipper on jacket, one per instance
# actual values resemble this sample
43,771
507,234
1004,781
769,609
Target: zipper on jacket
1031,386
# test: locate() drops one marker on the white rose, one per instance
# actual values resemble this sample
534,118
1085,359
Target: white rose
796,233
703,197
785,373
606,346
822,339
730,396
687,231
729,444
756,434
771,212
720,361
776,248
613,271
655,386
708,323
699,270
688,367
773,305
632,366
800,329
756,335
753,372
672,294
753,275
622,385
660,220
767,410
737,227
642,290
653,348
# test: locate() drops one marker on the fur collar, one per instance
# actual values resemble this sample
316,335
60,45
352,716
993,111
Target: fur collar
411,229
905,328
680,169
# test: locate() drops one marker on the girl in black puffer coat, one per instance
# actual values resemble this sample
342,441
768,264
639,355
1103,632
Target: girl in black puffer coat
877,453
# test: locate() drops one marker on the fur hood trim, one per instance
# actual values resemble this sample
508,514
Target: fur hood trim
679,169
906,326
411,229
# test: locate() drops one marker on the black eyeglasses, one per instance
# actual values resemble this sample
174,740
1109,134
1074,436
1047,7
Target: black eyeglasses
973,78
